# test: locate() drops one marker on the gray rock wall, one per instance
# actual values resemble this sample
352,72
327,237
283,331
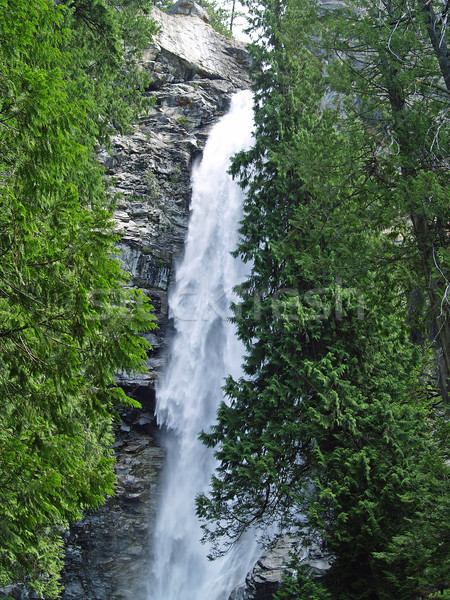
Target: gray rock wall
264,579
195,71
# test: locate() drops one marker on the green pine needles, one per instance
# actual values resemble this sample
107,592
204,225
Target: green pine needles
68,321
341,416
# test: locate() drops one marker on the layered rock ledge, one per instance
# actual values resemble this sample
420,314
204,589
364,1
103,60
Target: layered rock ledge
264,579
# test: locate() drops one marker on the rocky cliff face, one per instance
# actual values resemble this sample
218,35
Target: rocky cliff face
264,579
194,73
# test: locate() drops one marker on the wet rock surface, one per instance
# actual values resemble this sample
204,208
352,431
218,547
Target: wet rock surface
107,552
262,582
194,72
15,591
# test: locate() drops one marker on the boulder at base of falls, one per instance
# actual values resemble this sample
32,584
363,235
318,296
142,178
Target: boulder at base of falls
265,577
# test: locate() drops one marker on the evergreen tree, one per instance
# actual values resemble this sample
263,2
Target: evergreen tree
328,424
392,79
300,583
69,323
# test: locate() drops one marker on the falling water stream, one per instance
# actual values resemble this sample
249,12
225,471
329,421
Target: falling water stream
204,350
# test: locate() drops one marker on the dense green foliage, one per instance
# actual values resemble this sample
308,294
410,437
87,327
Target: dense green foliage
340,418
299,584
67,78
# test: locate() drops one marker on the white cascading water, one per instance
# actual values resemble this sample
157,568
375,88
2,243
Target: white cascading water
204,351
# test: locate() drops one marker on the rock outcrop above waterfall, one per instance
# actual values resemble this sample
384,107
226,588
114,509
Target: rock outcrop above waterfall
265,577
194,73
198,50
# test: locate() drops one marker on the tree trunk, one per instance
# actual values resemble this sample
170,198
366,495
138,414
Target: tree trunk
233,9
439,310
423,236
437,40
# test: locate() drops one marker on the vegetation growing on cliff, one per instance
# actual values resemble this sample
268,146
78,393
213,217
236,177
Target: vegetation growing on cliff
340,421
68,79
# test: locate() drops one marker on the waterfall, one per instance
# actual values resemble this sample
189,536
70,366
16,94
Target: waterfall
204,350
